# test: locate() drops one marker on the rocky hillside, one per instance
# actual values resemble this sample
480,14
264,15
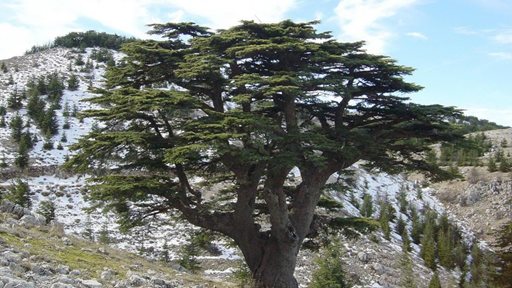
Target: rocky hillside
69,254
482,198
33,254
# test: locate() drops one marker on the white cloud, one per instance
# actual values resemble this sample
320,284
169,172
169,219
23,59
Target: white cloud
225,13
362,20
417,35
37,22
504,37
501,55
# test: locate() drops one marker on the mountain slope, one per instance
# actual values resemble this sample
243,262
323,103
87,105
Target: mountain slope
372,258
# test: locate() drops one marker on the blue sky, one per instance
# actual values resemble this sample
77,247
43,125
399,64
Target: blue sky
461,49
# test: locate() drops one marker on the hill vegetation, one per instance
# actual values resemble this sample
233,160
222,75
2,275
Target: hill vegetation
84,40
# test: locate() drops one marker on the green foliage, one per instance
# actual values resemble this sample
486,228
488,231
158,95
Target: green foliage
504,239
3,67
491,165
385,215
367,207
48,144
417,226
16,126
91,39
47,209
49,125
73,82
19,193
329,271
402,201
104,234
243,110
329,203
465,153
504,165
428,245
400,226
435,282
102,55
55,87
407,272
406,241
188,260
14,101
469,124
243,275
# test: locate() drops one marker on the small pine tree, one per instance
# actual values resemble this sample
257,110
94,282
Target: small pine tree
384,219
64,139
73,82
16,125
504,143
47,209
491,165
445,247
188,254
504,165
417,227
434,282
49,125
400,226
14,101
402,200
329,272
19,193
104,234
367,207
406,241
428,246
4,67
407,272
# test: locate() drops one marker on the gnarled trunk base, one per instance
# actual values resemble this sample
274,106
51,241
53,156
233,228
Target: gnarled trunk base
277,266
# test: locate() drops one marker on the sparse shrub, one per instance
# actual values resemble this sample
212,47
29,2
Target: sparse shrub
504,165
406,241
491,165
19,193
73,82
188,254
407,272
329,272
16,126
367,207
104,235
434,282
48,145
243,275
402,200
47,209
400,226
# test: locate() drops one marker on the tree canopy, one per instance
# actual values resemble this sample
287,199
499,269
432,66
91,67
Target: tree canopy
240,110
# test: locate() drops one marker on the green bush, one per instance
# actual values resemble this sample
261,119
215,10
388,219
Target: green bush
329,272
47,209
19,193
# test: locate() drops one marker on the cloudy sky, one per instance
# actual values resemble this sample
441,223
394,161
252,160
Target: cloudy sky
461,49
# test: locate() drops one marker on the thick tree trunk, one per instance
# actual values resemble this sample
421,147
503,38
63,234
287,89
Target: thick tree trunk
277,266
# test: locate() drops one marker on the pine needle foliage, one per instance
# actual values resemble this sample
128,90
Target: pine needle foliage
330,272
242,107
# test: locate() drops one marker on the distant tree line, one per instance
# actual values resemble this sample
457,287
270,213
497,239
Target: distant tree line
470,124
84,40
